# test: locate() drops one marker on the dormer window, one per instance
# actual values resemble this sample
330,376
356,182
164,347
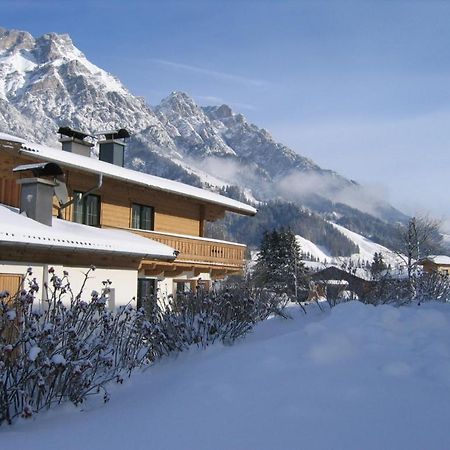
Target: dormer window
86,210
142,217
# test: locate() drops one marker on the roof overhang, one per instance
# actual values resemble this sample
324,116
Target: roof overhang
20,232
91,165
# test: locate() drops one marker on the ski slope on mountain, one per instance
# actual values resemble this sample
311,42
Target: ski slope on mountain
367,248
356,377
314,250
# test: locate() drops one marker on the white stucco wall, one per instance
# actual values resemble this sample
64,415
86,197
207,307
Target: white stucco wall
124,281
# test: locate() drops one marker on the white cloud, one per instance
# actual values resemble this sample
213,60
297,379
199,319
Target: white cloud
298,185
408,155
224,76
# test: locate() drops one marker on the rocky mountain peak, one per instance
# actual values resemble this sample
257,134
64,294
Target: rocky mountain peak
48,81
51,47
179,103
190,127
15,40
218,112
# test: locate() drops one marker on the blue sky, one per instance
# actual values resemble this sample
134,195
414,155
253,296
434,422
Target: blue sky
361,87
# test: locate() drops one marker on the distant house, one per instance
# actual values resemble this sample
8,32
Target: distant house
436,263
64,208
337,281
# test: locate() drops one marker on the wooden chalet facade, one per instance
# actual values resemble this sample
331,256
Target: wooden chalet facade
436,263
107,196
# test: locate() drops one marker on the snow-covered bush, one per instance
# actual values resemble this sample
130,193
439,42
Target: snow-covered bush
224,315
432,286
66,351
419,288
61,352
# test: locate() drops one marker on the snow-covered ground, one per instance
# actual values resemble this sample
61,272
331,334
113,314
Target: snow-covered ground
358,377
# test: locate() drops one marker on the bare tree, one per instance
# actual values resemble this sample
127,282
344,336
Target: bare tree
420,237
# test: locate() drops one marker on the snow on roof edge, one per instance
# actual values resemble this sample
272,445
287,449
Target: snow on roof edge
17,229
437,259
133,176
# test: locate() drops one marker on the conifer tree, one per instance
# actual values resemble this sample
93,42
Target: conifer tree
378,265
279,266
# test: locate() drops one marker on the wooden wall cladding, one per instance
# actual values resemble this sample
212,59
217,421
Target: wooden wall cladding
10,282
173,213
9,189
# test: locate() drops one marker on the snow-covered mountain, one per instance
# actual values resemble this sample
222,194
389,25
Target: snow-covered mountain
46,82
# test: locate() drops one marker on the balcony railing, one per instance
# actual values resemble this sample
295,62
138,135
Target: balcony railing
200,250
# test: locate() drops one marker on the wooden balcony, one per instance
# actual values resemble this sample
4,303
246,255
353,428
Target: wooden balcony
218,256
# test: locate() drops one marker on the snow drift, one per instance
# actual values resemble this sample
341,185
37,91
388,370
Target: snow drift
355,377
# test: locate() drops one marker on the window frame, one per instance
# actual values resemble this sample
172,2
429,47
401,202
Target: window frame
141,217
84,214
147,289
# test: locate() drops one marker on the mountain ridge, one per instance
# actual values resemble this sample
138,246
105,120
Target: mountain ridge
47,81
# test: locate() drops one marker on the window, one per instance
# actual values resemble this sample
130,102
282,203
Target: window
86,210
183,287
146,294
142,217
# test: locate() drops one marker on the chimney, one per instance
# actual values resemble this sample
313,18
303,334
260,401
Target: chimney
36,198
73,141
112,146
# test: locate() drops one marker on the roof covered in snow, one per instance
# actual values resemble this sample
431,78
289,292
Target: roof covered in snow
440,260
16,229
110,170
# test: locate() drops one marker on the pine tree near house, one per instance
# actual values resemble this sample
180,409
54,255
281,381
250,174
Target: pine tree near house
279,266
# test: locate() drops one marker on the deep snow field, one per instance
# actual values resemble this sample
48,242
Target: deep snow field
356,377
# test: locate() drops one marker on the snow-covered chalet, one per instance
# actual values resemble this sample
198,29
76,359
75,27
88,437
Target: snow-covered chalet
436,263
63,208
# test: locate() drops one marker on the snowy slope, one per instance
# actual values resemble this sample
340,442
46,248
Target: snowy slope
358,377
314,250
367,248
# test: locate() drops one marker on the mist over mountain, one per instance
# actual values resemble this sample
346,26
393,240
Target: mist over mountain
47,82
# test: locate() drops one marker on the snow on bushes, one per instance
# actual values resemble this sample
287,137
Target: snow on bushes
71,349
421,287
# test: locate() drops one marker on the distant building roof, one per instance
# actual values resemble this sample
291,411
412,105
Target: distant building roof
333,272
16,229
93,165
440,260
